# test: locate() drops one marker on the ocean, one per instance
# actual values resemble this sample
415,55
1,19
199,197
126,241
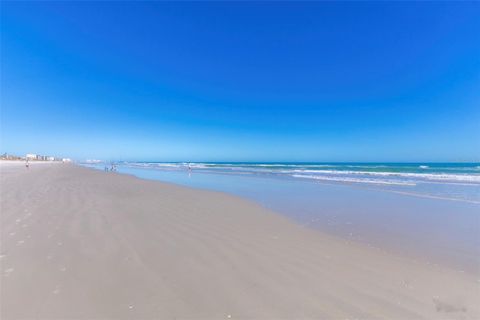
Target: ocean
452,181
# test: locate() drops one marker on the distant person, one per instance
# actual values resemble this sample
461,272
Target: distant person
27,164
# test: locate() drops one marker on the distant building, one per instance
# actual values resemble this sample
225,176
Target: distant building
7,156
31,156
38,157
93,161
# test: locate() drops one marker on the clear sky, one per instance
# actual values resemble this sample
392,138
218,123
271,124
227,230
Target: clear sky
242,81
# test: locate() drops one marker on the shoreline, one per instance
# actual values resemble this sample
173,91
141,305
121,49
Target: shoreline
429,229
101,244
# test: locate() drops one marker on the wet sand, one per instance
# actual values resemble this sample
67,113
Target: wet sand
81,243
436,231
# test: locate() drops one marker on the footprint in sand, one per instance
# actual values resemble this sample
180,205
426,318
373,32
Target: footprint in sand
448,307
406,284
49,257
63,269
56,290
7,272
18,220
2,256
20,242
11,234
59,243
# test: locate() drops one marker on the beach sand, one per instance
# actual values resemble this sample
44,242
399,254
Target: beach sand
81,243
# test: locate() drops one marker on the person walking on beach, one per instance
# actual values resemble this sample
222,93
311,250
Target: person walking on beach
27,164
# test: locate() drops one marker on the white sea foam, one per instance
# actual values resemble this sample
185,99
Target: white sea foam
154,165
444,177
356,180
324,171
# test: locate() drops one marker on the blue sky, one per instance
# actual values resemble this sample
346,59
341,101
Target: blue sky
242,81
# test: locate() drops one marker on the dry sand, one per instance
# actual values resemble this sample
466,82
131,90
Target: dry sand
79,243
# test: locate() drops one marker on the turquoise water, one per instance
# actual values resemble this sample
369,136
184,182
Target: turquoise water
426,211
453,181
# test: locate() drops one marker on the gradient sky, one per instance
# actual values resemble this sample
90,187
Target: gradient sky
241,81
